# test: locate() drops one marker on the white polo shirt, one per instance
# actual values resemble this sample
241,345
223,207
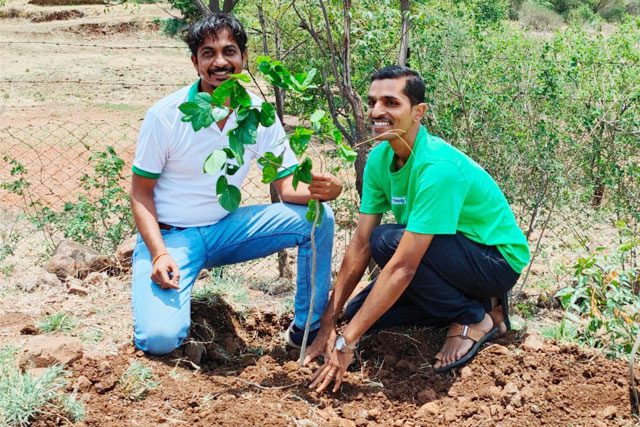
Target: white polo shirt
170,151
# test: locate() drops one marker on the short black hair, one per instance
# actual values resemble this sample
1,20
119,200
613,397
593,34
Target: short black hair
210,26
414,86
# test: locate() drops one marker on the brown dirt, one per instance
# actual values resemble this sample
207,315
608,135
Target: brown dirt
255,381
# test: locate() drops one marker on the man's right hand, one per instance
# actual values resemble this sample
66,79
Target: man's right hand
166,273
323,344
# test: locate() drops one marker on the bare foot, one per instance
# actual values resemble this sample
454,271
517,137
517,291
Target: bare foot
497,316
456,347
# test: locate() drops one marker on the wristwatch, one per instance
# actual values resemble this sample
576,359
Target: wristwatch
342,346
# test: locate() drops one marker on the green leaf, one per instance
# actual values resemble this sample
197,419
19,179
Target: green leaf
247,128
311,211
300,139
317,115
240,96
236,146
198,113
309,78
232,169
228,195
219,113
215,162
337,136
263,58
269,174
269,158
223,92
267,114
241,76
346,153
302,172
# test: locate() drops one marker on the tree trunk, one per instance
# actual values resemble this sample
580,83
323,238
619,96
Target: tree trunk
284,271
403,55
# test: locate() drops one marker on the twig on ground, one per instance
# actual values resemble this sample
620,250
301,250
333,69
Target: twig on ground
261,387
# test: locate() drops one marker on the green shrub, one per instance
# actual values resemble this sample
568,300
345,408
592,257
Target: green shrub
536,17
24,397
602,306
137,381
57,322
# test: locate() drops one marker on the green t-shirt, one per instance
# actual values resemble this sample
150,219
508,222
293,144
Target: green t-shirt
440,190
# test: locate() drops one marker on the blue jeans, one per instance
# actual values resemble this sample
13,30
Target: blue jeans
162,317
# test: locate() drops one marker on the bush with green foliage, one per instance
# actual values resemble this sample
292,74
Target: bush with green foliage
100,216
24,397
602,306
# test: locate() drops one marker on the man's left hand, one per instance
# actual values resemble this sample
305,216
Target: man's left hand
334,369
325,186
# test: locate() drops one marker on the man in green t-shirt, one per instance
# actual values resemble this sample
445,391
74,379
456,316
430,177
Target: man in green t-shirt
453,255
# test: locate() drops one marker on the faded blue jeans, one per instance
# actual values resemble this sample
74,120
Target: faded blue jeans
162,317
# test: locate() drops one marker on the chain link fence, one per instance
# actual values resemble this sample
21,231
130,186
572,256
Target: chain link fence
45,169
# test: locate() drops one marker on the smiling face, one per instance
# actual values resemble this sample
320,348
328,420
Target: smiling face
390,110
216,59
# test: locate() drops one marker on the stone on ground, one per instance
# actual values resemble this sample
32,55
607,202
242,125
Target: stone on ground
43,351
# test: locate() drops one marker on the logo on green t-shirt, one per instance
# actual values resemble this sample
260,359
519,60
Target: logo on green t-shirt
398,200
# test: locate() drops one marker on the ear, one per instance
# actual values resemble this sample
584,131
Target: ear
245,59
418,111
194,61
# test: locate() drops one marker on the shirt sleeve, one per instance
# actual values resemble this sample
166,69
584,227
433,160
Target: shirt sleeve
274,139
152,147
374,199
442,190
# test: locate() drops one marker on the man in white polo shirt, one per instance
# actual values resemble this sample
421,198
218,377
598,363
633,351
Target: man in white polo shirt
183,228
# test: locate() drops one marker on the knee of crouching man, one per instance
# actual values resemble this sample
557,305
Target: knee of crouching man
159,341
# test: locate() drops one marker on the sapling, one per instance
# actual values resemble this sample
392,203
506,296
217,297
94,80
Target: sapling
231,96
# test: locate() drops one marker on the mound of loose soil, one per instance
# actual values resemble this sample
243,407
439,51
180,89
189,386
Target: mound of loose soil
104,29
60,15
65,2
248,378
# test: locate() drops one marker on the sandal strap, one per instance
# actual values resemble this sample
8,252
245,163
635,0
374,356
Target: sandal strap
473,333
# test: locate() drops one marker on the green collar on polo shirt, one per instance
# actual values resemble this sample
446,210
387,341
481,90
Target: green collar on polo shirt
193,91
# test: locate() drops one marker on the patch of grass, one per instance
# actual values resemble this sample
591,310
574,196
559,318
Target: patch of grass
57,322
526,309
564,331
93,336
137,381
23,397
120,107
231,288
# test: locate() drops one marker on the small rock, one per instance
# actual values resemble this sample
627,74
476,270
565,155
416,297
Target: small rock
516,400
194,351
500,349
510,389
35,278
466,372
124,253
375,413
426,395
353,411
29,329
291,366
484,410
62,266
95,279
535,409
83,384
78,290
532,342
495,392
609,413
428,409
45,351
361,422
494,410
450,415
